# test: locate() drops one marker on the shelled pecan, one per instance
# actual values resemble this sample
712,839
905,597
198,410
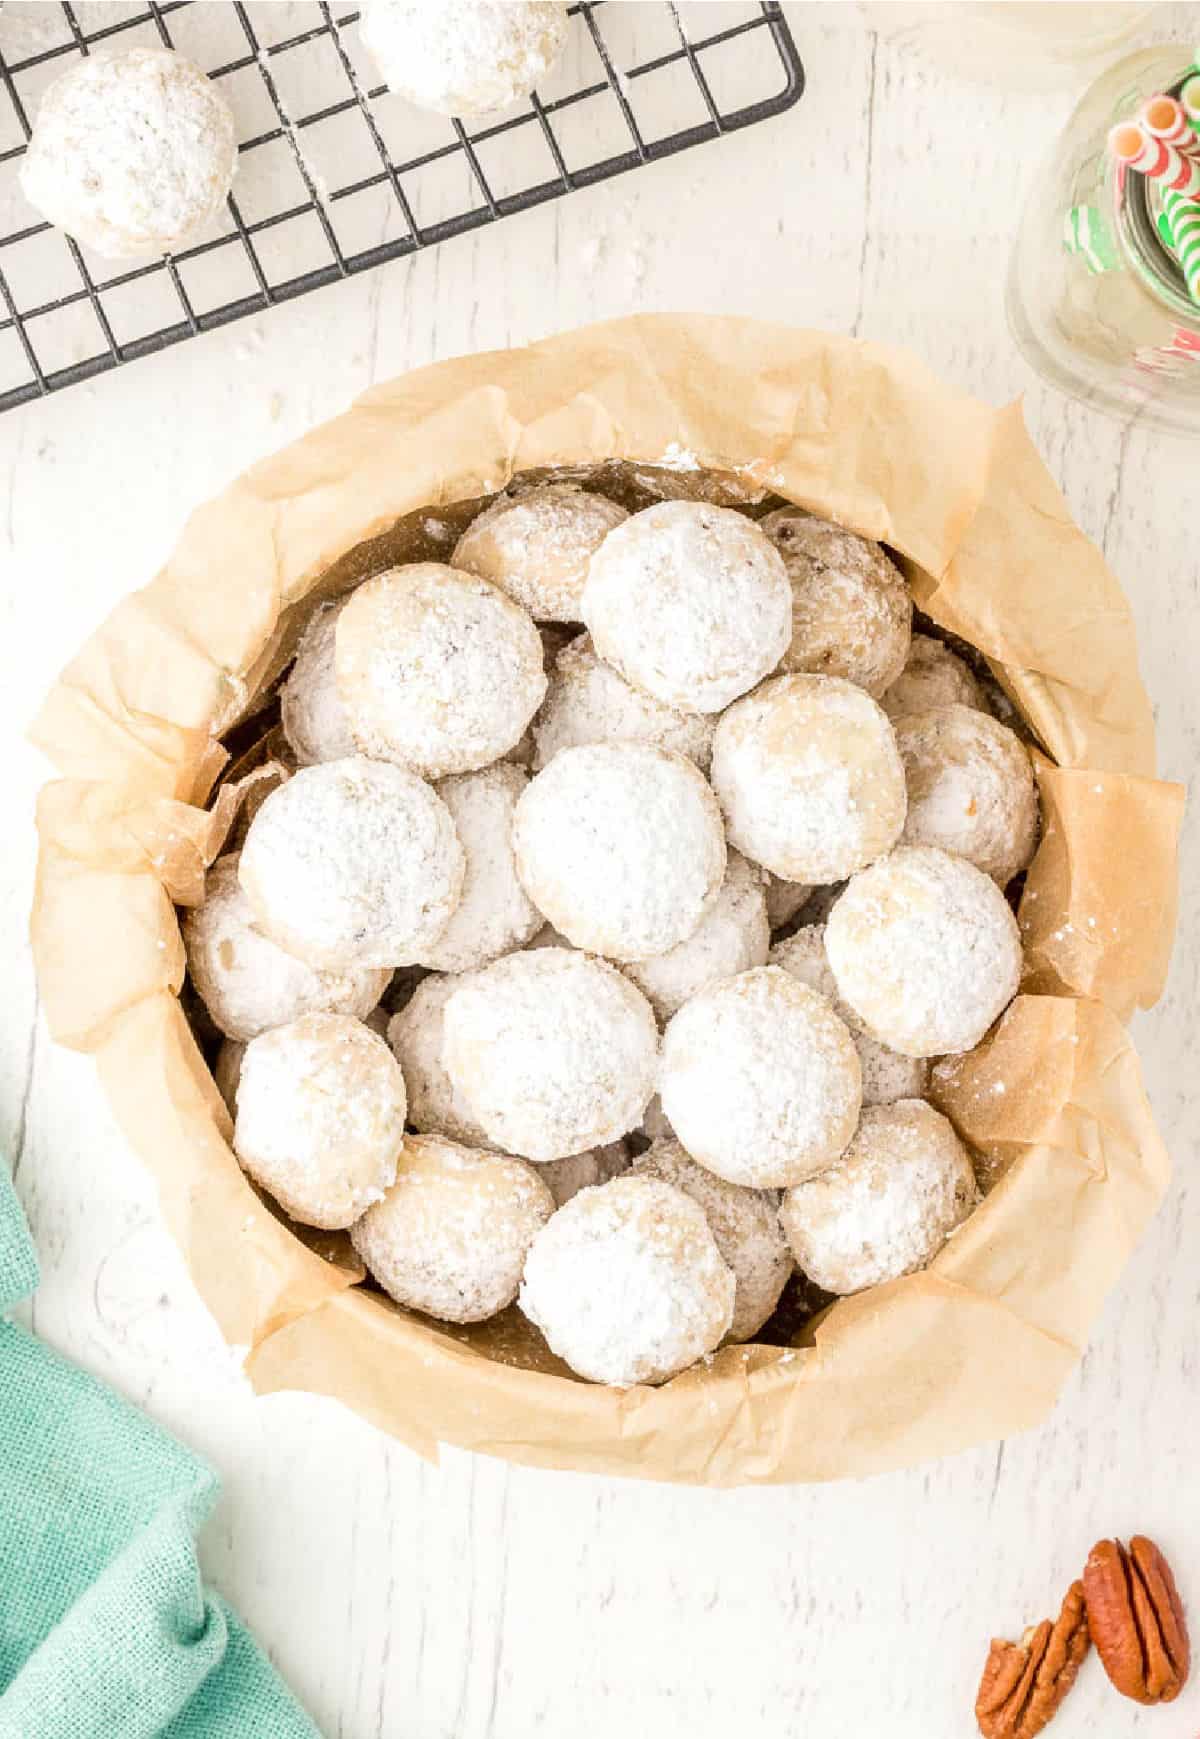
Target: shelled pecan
1136,1619
1024,1682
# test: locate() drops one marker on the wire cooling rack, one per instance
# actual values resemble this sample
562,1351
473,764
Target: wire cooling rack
337,174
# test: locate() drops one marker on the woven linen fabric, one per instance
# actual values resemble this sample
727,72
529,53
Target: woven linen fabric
106,1629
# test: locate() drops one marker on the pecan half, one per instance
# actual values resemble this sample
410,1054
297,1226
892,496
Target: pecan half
1136,1619
1024,1682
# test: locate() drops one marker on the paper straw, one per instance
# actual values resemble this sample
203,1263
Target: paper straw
1164,118
1150,157
1183,221
1189,98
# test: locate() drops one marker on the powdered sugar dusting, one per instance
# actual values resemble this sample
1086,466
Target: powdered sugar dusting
809,778
689,602
970,789
494,914
760,1079
415,1034
452,1235
132,152
626,1283
621,846
731,937
248,983
314,719
353,863
932,676
589,702
464,57
887,1206
926,951
536,547
851,610
320,1117
745,1227
437,670
553,1051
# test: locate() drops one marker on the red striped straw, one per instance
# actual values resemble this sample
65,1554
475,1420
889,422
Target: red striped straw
1164,118
1134,147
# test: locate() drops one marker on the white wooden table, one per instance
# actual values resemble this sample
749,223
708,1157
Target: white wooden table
476,1600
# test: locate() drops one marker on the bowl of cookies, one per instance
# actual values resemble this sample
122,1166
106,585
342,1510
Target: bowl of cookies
592,880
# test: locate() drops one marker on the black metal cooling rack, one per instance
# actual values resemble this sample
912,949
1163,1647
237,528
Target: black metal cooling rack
336,174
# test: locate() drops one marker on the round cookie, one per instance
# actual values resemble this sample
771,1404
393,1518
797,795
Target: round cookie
320,1117
690,603
353,863
784,899
932,676
745,1227
886,1075
132,153
311,711
887,1206
731,937
537,547
970,789
925,950
589,702
416,1034
552,1050
437,670
851,610
621,846
627,1284
451,1235
464,57
247,982
494,914
579,1171
760,1079
809,778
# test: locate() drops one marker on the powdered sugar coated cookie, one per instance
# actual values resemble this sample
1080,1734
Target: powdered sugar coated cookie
536,547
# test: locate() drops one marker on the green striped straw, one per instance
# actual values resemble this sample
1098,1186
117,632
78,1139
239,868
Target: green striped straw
1183,229
1085,233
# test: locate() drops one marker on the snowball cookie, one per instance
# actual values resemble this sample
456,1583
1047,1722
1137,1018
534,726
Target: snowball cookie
553,1051
313,717
760,1079
464,57
627,1284
925,950
451,1235
435,1106
621,846
353,863
932,676
320,1117
886,1075
745,1227
731,937
970,789
888,1204
851,610
565,1178
807,772
784,899
690,603
537,547
247,982
437,670
494,914
588,702
132,153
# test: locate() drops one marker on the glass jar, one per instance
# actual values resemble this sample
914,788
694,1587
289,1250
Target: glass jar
1096,301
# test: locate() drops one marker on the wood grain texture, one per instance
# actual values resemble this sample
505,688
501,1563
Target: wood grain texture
473,1601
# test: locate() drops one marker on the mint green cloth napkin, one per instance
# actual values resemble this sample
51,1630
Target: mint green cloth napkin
106,1629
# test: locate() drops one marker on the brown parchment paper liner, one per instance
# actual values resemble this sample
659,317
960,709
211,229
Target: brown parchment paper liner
975,1347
